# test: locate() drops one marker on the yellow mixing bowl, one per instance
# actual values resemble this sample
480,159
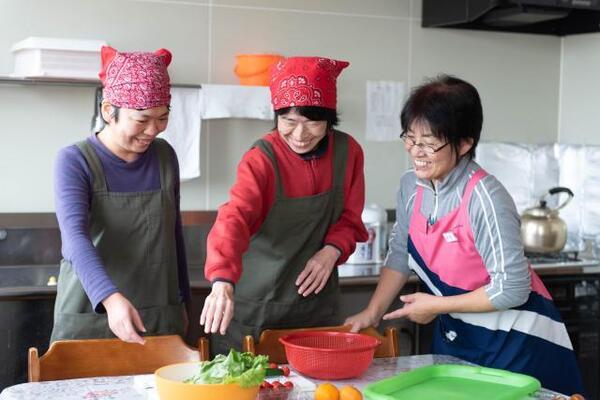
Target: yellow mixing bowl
170,386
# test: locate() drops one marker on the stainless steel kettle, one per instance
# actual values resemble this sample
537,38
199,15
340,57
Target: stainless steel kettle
542,230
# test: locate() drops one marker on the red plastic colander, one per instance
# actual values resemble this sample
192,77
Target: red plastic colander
329,355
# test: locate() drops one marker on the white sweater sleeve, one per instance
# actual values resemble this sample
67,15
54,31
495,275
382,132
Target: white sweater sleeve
496,229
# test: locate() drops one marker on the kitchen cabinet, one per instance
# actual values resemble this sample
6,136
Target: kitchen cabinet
578,299
24,322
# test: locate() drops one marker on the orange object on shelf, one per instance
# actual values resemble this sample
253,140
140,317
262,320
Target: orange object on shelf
253,69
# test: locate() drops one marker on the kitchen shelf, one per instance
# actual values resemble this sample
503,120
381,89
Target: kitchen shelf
11,80
221,101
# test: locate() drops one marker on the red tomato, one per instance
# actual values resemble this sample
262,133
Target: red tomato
273,365
285,370
288,384
277,385
265,385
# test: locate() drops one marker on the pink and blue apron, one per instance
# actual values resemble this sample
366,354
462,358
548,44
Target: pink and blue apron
529,339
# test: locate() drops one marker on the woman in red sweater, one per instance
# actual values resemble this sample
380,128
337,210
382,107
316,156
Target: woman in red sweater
293,215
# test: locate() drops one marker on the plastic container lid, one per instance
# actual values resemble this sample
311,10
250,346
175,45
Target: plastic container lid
58,44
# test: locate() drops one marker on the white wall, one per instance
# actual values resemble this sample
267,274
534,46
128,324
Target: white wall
580,94
517,75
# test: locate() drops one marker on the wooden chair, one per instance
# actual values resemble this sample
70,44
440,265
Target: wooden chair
66,359
268,343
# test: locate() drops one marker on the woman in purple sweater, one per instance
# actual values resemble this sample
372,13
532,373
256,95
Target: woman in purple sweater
124,270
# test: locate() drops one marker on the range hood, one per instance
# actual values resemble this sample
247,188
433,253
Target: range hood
550,17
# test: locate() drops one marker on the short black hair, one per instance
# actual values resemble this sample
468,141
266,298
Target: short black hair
98,121
313,113
450,106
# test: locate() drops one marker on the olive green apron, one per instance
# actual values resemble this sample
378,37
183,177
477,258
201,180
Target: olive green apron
266,296
134,234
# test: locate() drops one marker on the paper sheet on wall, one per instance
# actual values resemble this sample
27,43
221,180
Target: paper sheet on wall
384,103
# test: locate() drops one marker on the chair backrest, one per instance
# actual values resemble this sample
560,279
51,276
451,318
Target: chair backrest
268,343
67,359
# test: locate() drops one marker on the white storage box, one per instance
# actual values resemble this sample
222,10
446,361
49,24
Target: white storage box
37,57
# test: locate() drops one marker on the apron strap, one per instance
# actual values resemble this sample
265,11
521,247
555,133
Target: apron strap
340,161
98,179
415,218
473,181
267,148
165,162
340,156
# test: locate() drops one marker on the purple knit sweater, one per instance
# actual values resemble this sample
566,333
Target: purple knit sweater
72,196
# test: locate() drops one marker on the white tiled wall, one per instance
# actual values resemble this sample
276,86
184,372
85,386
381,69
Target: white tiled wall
518,77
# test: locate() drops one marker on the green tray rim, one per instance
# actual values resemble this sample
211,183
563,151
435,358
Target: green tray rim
530,384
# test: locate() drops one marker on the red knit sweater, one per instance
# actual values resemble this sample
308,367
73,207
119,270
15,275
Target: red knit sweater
253,193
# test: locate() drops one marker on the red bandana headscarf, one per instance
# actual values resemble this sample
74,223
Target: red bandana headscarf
305,81
136,80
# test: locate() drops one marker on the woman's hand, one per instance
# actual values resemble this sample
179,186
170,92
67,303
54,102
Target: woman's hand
123,319
418,307
317,271
218,308
362,320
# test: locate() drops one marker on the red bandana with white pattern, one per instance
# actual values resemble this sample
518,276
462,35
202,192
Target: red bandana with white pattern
136,80
305,81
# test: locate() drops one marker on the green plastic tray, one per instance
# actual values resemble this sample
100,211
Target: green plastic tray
453,382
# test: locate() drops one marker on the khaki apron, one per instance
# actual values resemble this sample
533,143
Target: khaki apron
134,234
266,296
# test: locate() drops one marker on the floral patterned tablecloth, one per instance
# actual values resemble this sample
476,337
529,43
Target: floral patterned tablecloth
141,387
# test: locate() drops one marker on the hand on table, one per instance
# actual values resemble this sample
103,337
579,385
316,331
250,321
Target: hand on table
315,274
123,319
418,307
362,320
218,308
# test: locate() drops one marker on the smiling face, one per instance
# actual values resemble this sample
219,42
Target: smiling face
300,133
134,130
431,166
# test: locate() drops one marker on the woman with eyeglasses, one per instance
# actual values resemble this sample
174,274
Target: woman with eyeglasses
458,229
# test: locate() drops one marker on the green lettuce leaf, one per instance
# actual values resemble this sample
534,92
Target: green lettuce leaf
244,369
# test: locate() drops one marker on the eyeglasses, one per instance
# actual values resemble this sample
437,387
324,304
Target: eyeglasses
410,142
